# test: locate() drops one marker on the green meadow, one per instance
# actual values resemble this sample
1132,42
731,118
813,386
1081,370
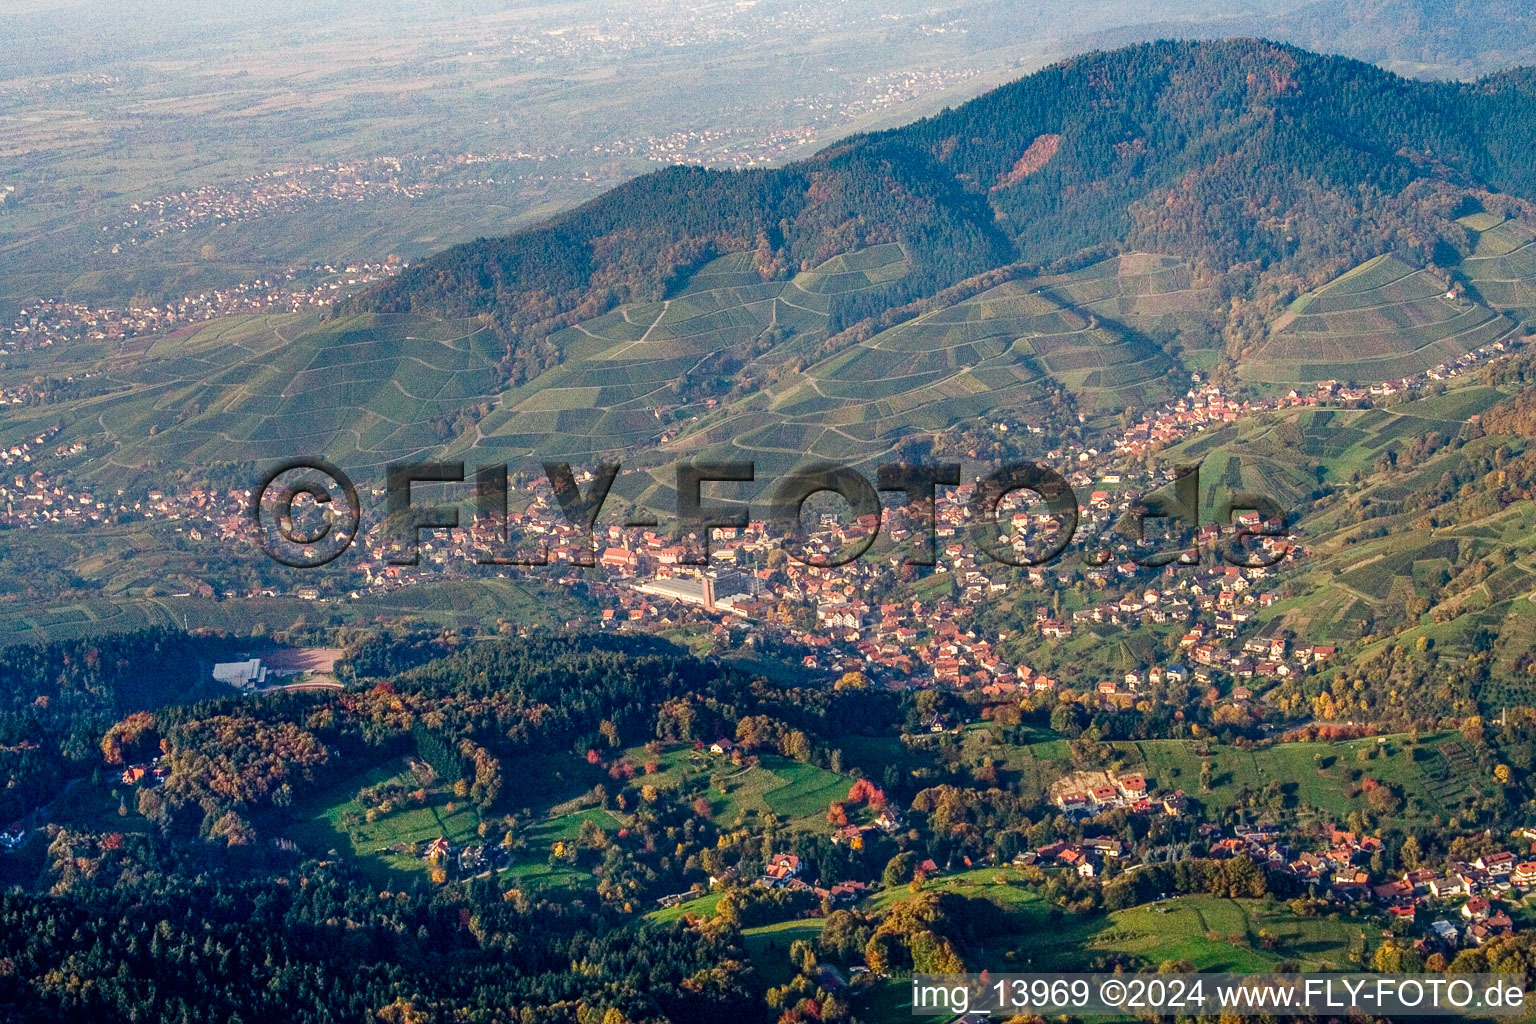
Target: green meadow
323,822
1211,933
1313,777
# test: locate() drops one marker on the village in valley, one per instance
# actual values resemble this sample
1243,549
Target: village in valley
47,322
1126,626
750,594
765,511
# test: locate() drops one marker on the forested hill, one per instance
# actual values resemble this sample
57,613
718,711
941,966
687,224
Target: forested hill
1250,157
1422,38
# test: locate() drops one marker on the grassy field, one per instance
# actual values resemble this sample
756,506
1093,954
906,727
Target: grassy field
703,906
531,870
1000,885
320,826
797,793
1202,930
768,946
1213,933
333,818
1311,775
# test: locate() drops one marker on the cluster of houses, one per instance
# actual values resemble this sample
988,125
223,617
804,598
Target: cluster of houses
784,871
1086,858
1470,360
150,773
1207,405
287,189
738,148
1451,907
1115,791
1265,656
29,501
1333,391
647,583
887,821
1337,867
46,322
1201,406
1476,885
1220,599
40,499
21,453
468,860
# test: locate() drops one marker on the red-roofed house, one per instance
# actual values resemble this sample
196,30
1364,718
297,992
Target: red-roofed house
782,865
1133,786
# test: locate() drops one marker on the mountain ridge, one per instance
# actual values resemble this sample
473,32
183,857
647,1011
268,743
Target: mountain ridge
1229,153
1418,38
1031,266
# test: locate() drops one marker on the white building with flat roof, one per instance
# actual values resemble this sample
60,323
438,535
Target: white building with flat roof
699,590
244,675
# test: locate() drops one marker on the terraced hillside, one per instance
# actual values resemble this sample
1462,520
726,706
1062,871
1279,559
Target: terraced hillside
1408,546
373,388
1142,290
728,366
1502,266
1382,320
974,357
657,357
630,371
359,391
1291,456
993,356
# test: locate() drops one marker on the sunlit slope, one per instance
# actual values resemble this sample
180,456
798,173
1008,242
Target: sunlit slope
1502,266
994,356
1290,457
1141,290
643,372
727,366
1399,508
990,353
1382,320
358,391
